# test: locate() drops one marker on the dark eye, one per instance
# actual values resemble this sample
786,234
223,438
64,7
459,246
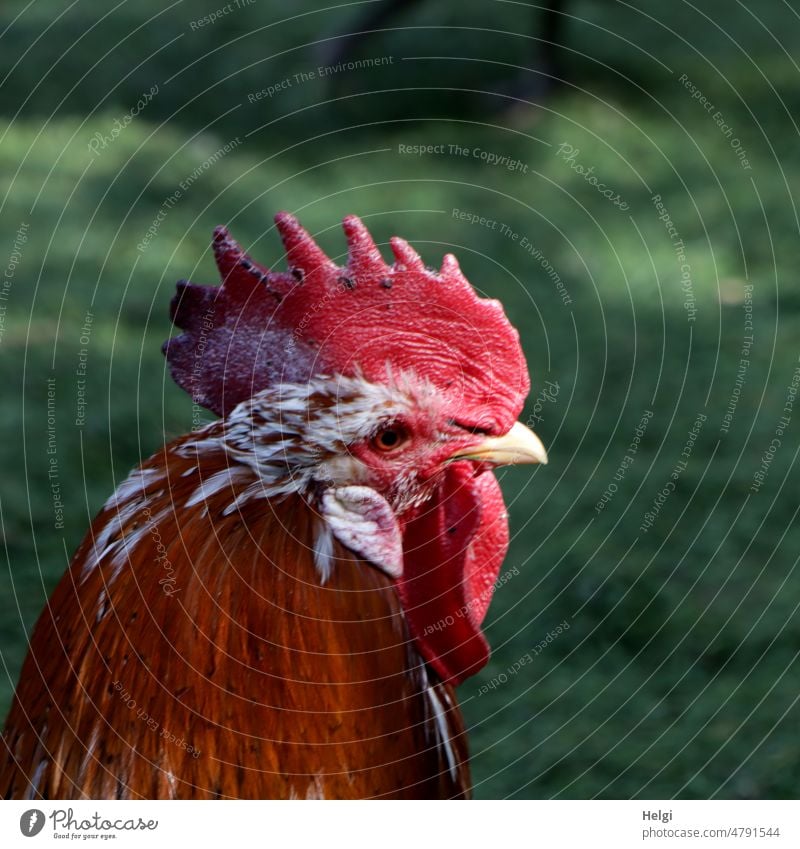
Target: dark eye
390,438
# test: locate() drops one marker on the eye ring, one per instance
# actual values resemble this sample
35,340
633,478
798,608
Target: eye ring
390,438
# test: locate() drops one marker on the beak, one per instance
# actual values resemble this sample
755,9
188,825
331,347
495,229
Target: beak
519,445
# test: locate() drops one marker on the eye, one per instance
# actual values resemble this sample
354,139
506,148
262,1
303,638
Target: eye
390,438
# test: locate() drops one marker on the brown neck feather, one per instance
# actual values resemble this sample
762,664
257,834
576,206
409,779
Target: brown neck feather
209,662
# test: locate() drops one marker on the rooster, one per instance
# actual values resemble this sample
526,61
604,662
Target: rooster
281,603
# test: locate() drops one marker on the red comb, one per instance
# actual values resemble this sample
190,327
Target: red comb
260,327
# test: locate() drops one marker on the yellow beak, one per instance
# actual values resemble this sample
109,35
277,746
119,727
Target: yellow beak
519,445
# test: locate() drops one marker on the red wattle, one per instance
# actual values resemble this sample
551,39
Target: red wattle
453,550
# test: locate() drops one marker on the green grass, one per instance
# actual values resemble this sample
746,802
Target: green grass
677,674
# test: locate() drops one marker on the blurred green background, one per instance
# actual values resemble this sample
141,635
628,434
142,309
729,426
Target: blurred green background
678,674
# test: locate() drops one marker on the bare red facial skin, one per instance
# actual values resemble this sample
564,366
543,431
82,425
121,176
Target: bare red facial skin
419,458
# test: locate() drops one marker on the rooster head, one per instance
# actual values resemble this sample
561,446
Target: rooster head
384,395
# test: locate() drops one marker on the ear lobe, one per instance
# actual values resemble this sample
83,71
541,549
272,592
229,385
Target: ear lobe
362,520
